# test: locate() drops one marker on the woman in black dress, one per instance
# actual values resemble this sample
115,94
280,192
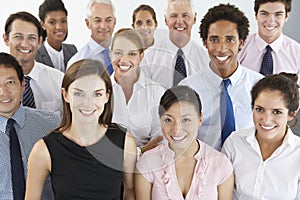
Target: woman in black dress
87,156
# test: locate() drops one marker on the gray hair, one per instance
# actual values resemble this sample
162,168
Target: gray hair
190,2
107,2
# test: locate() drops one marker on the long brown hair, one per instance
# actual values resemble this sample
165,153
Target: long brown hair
80,69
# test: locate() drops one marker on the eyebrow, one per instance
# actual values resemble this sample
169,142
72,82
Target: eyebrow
99,90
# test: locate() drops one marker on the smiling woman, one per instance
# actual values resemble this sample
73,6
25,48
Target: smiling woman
270,147
183,167
86,143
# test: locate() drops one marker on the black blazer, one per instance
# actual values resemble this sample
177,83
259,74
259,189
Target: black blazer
42,55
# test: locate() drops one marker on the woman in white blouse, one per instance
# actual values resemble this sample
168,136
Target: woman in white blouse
136,98
266,158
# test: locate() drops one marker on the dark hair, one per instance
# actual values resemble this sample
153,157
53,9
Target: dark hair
177,94
132,35
10,62
80,69
24,16
287,4
285,83
143,7
50,6
225,12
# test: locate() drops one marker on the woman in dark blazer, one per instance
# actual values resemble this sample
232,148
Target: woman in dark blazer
53,52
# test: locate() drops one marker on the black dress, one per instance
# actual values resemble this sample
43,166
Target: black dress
92,172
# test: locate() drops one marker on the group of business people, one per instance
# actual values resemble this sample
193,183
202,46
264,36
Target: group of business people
174,100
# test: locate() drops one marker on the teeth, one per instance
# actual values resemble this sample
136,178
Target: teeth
222,58
270,28
125,67
24,51
180,29
87,112
5,101
267,127
178,138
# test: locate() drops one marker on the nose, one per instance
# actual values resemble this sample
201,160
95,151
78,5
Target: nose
222,45
24,42
179,20
176,128
267,117
2,90
102,25
271,18
88,101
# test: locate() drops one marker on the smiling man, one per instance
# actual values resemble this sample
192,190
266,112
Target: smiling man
271,16
30,125
23,36
101,21
159,63
223,31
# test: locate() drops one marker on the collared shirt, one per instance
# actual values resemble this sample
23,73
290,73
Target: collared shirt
209,86
140,114
31,125
92,50
285,53
159,61
276,178
158,167
57,57
46,87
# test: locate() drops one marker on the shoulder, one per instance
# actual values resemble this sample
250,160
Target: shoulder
41,117
47,69
70,47
251,74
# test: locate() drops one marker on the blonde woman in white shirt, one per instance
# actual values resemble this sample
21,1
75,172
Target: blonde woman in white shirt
266,158
136,97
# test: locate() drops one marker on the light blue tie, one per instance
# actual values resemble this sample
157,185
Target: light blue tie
228,121
267,62
107,61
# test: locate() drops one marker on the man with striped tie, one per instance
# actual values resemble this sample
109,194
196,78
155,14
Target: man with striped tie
23,36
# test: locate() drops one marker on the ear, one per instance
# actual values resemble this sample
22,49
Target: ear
205,43
40,41
195,18
87,23
23,86
241,43
43,25
65,95
5,39
142,56
200,119
287,16
115,21
292,115
166,20
107,96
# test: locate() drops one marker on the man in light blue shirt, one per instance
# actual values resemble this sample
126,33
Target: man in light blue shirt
30,124
223,30
101,21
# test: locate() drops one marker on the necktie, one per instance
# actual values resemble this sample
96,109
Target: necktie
28,99
107,61
17,170
228,121
180,71
267,62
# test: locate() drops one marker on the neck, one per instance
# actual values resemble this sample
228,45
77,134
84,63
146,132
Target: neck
57,45
188,152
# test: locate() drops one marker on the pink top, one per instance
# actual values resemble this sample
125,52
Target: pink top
285,53
158,167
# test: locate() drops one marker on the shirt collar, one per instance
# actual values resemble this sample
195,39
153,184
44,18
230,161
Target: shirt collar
19,117
34,73
261,44
173,48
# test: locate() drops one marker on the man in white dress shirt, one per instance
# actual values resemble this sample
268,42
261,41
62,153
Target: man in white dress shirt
223,30
101,21
23,36
159,60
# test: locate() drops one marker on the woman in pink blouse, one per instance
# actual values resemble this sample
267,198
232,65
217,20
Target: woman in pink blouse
184,167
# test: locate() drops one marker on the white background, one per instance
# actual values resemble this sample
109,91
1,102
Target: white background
79,34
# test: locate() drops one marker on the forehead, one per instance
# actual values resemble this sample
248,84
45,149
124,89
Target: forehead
182,108
143,14
270,99
20,26
179,7
272,7
223,27
56,14
7,72
124,44
101,10
88,83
